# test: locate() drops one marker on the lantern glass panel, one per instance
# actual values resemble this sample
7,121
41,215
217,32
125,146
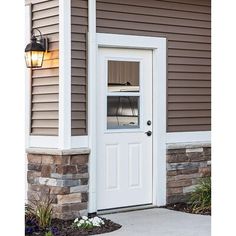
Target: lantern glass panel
34,59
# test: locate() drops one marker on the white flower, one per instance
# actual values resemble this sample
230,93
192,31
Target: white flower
96,221
85,221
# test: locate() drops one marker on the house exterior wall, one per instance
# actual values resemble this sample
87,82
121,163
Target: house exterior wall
45,81
79,29
187,27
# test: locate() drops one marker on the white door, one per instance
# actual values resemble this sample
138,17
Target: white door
124,128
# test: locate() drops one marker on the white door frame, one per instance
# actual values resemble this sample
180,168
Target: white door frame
158,46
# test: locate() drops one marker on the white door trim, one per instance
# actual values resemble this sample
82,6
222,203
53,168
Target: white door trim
158,45
92,60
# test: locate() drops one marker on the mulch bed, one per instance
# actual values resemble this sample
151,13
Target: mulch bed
184,207
65,228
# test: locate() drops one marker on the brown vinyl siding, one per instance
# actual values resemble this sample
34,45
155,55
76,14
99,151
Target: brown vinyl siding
79,28
45,81
187,26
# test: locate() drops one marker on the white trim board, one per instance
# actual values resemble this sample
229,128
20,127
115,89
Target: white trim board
64,74
188,137
43,141
28,23
36,141
158,45
128,41
79,142
92,55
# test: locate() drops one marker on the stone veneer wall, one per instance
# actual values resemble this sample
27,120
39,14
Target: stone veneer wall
185,167
65,177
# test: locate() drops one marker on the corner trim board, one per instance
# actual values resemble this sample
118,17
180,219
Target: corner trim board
64,74
28,24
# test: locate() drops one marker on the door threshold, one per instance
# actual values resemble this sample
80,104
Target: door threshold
125,209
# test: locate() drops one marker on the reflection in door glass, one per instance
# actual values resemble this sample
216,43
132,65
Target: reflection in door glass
123,76
122,112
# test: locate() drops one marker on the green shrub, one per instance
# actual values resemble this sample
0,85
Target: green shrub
200,198
49,233
41,208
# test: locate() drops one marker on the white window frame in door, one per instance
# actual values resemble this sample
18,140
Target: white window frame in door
158,46
139,94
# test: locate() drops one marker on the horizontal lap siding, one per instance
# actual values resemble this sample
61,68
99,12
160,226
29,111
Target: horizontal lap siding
79,27
45,81
187,26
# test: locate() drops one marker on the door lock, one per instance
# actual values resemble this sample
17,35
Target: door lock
149,122
148,133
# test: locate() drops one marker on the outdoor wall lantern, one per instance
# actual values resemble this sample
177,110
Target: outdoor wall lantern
34,51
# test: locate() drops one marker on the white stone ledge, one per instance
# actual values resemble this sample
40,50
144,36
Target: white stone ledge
60,152
187,145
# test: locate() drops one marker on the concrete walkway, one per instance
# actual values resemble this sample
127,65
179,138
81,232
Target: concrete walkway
160,222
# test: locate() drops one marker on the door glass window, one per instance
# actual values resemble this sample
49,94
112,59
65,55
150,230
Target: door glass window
122,112
123,76
123,98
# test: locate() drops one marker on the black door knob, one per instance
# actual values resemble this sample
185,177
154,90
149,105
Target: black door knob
149,122
148,133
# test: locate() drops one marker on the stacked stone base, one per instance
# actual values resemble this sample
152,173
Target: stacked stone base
64,178
185,167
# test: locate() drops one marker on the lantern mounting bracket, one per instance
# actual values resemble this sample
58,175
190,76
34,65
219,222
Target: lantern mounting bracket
43,40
